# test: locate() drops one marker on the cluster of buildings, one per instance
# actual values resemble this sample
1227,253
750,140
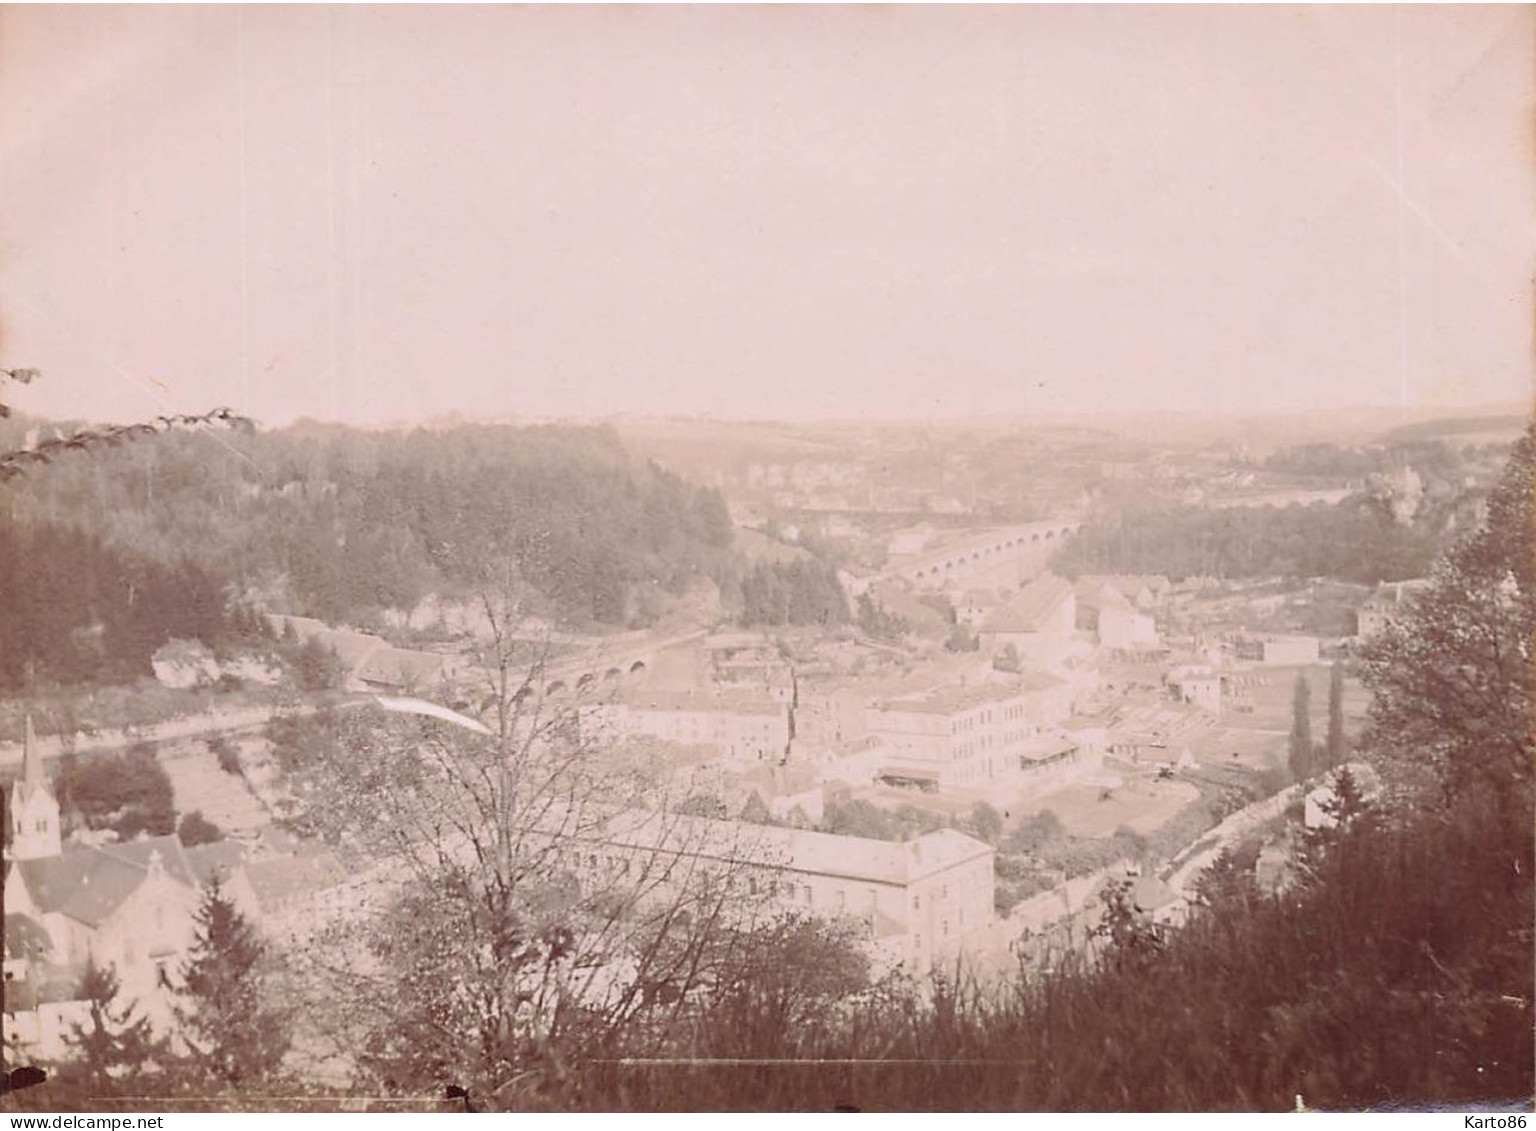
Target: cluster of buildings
130,906
739,720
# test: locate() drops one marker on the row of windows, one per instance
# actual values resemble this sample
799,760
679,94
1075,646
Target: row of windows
971,749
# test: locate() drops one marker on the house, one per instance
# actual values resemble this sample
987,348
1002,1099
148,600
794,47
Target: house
400,669
352,649
40,1010
1390,599
783,789
1037,623
1114,620
1143,592
1290,650
291,895
976,605
1199,684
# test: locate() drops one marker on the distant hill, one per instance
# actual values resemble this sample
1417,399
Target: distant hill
1503,428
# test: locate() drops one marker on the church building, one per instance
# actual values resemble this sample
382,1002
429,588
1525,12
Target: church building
130,906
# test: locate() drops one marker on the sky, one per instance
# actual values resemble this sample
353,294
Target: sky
392,213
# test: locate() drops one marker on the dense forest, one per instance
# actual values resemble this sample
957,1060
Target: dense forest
108,555
1376,534
77,610
1352,540
779,593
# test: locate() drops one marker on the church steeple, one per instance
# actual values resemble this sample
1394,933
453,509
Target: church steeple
35,831
32,776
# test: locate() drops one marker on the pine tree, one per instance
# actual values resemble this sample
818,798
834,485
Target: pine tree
755,811
1348,820
1450,679
1301,754
114,1044
1338,745
232,1035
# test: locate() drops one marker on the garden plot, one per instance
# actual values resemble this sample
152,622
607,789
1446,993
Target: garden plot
200,784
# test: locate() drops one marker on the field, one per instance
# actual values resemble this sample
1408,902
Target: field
1138,803
199,784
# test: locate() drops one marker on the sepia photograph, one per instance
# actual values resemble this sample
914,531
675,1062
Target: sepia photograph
767,558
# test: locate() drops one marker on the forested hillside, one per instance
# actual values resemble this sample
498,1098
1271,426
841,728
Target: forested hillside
1377,534
128,546
1350,540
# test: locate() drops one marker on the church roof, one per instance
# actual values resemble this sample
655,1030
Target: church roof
84,884
173,857
89,884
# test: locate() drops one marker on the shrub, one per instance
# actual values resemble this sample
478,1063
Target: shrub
226,752
196,829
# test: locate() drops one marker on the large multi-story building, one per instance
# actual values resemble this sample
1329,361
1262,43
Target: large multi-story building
916,901
740,726
959,736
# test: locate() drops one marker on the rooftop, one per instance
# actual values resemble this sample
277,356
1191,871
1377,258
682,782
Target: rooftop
796,850
1099,594
1032,608
89,884
285,880
400,667
1129,584
951,700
